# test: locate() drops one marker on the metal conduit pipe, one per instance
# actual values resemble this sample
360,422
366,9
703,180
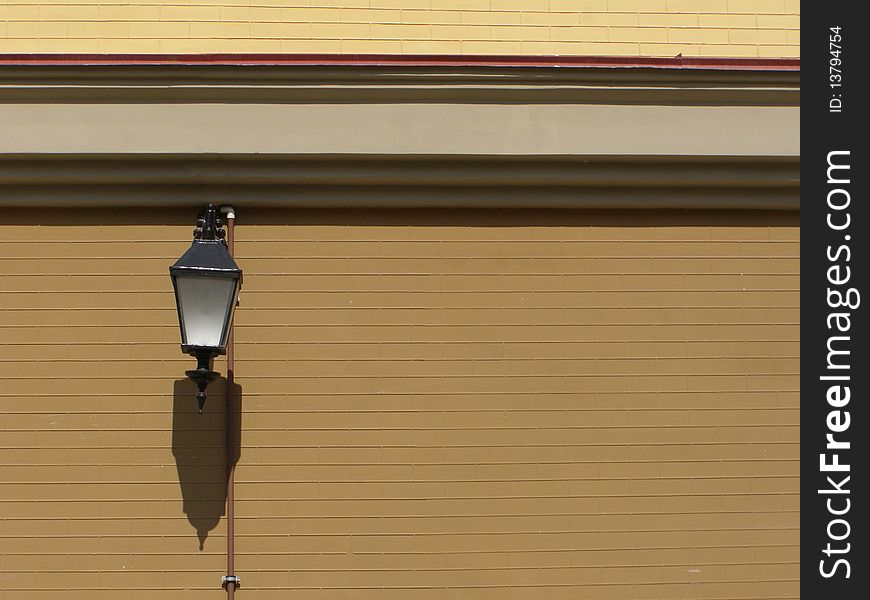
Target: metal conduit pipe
230,581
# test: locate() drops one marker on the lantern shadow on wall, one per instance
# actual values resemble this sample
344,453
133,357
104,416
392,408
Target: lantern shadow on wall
198,445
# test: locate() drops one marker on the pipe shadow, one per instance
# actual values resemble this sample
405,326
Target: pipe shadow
198,445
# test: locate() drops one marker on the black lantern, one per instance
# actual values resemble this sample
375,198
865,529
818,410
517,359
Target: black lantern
207,282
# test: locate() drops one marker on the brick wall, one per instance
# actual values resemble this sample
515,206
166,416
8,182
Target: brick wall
745,28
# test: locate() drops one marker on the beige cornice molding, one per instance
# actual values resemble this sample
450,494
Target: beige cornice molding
388,132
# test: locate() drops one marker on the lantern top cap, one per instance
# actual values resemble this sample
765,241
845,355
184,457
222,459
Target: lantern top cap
208,253
207,257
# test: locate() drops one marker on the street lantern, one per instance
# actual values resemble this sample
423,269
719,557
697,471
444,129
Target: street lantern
207,282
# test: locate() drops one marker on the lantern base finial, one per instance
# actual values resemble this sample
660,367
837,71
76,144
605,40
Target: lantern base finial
202,375
200,397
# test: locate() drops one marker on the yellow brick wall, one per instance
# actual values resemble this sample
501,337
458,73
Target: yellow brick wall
710,28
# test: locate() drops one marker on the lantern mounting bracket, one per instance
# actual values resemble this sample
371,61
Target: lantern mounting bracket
209,225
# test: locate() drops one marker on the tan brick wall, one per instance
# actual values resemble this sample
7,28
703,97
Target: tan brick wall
710,28
436,404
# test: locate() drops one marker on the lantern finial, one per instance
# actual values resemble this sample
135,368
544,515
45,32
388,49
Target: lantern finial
202,375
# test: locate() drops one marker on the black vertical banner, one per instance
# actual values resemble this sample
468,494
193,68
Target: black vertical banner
835,371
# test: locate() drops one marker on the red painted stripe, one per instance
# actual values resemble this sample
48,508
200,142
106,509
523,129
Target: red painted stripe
395,60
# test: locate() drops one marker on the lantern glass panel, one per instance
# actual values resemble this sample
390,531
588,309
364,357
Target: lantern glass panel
206,305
